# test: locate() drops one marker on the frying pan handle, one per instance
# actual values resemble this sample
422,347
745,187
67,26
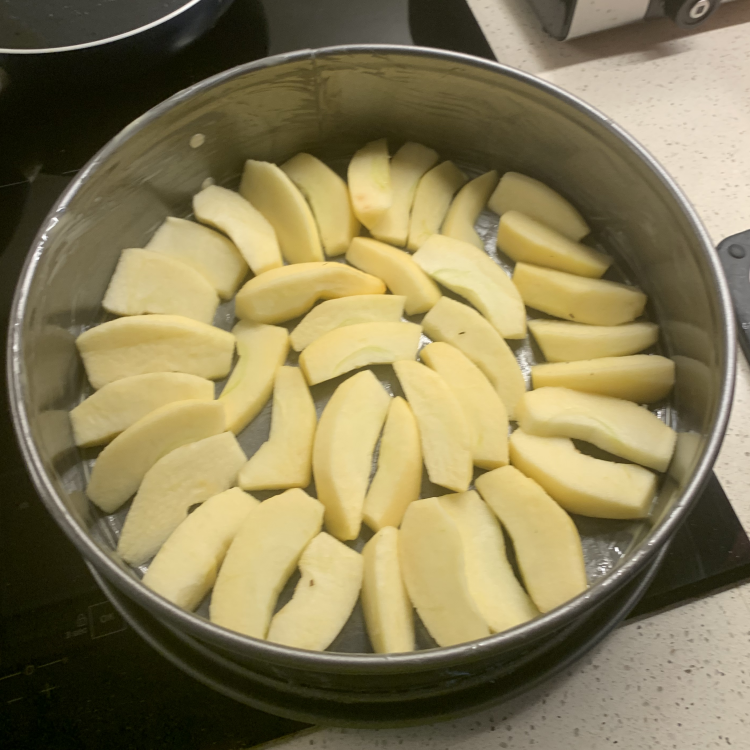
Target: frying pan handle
734,254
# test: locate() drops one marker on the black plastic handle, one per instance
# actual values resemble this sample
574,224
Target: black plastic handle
734,253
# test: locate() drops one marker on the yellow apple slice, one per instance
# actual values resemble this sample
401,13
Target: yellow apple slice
643,378
370,187
349,348
285,459
285,293
492,583
484,411
545,539
434,569
398,477
208,252
388,612
443,429
466,207
262,556
345,440
397,269
154,343
261,351
517,192
564,295
248,229
111,410
463,327
323,600
580,483
329,200
187,476
568,342
121,466
185,568
431,201
470,272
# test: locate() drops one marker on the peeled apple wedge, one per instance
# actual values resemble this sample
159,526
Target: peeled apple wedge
349,348
443,429
269,189
187,476
185,568
122,465
492,583
643,378
545,539
432,200
397,269
329,200
290,291
148,282
208,252
111,410
323,600
463,327
517,192
388,611
466,207
408,165
568,342
471,273
484,411
262,556
346,311
564,295
248,229
433,565
285,459
580,483
154,343
398,476
261,351
370,186
345,440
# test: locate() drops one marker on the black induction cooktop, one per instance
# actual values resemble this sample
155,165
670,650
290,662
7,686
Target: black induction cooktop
72,674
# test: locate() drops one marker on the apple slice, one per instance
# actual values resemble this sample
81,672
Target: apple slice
262,556
517,192
185,568
398,478
643,378
463,327
397,269
349,348
287,292
470,272
121,466
208,252
388,612
187,476
154,343
568,342
433,565
492,583
345,440
443,430
370,185
545,539
323,600
261,351
285,459
466,207
580,483
329,200
484,411
108,412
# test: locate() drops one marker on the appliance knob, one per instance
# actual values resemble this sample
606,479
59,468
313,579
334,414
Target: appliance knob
690,13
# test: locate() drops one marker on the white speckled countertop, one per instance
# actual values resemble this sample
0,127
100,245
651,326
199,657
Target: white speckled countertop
680,679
